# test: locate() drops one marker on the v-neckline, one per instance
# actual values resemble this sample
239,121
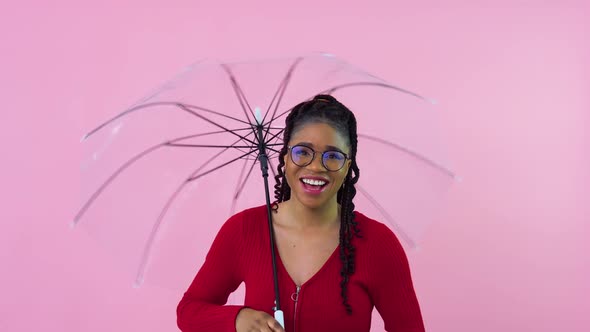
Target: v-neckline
314,276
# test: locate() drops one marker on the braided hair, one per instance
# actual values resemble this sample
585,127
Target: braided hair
326,109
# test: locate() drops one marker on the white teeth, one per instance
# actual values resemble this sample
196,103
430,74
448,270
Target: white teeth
314,182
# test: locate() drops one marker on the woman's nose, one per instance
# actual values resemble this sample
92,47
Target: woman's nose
316,164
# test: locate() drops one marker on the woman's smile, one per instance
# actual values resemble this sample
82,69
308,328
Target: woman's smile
313,185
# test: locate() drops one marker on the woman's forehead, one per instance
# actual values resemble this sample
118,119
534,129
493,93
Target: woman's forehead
319,135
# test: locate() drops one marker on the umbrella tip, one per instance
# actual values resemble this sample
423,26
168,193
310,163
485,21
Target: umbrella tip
258,115
83,138
73,224
280,317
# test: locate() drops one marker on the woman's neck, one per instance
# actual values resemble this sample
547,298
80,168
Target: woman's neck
300,216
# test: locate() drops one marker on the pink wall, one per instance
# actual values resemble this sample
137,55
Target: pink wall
510,251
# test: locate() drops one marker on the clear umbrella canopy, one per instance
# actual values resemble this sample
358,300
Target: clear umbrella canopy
160,178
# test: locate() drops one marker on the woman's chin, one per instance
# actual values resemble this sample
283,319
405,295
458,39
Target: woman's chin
312,203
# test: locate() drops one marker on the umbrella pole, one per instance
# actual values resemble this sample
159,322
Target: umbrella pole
263,158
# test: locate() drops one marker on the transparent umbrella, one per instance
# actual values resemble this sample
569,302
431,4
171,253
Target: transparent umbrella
160,178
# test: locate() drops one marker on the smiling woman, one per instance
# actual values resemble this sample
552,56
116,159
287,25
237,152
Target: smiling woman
335,264
316,181
332,160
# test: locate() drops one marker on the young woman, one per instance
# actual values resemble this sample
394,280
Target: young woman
334,264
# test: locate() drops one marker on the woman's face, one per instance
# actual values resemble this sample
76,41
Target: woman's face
322,185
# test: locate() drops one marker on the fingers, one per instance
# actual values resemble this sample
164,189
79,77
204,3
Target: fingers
274,325
263,329
249,320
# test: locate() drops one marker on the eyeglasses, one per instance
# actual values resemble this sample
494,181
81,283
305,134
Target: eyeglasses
332,160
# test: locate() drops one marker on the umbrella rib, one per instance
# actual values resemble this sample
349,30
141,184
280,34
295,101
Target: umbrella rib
281,90
121,168
215,124
347,85
155,229
282,114
238,147
239,93
205,134
241,186
379,84
111,178
275,135
387,216
273,150
211,146
149,105
195,177
411,153
272,169
170,143
234,198
216,113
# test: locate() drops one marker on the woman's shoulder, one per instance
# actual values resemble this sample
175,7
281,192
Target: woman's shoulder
248,218
370,225
252,212
372,230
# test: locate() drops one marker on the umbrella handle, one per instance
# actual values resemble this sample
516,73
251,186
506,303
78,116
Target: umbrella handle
280,317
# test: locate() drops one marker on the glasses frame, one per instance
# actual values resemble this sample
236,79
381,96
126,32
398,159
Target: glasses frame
313,156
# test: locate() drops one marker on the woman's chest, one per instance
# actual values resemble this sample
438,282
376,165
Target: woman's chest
317,304
303,255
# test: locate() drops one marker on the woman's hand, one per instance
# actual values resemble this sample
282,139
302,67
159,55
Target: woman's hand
250,320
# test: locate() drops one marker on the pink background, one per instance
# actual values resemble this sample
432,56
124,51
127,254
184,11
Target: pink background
510,251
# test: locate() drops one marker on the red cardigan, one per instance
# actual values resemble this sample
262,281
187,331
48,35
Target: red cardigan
241,253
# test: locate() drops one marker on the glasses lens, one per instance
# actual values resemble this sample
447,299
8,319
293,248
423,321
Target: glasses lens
333,160
301,155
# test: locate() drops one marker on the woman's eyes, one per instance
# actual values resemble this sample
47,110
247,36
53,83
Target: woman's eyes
327,155
334,155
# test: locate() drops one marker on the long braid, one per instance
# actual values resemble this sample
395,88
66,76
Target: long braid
281,183
325,108
282,190
348,226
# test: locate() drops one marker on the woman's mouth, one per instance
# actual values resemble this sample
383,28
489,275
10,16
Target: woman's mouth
313,185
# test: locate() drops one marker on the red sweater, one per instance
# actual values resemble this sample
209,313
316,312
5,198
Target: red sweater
241,253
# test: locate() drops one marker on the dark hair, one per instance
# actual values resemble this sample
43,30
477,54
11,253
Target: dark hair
326,109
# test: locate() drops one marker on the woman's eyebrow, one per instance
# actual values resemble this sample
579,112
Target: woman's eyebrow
328,147
305,144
